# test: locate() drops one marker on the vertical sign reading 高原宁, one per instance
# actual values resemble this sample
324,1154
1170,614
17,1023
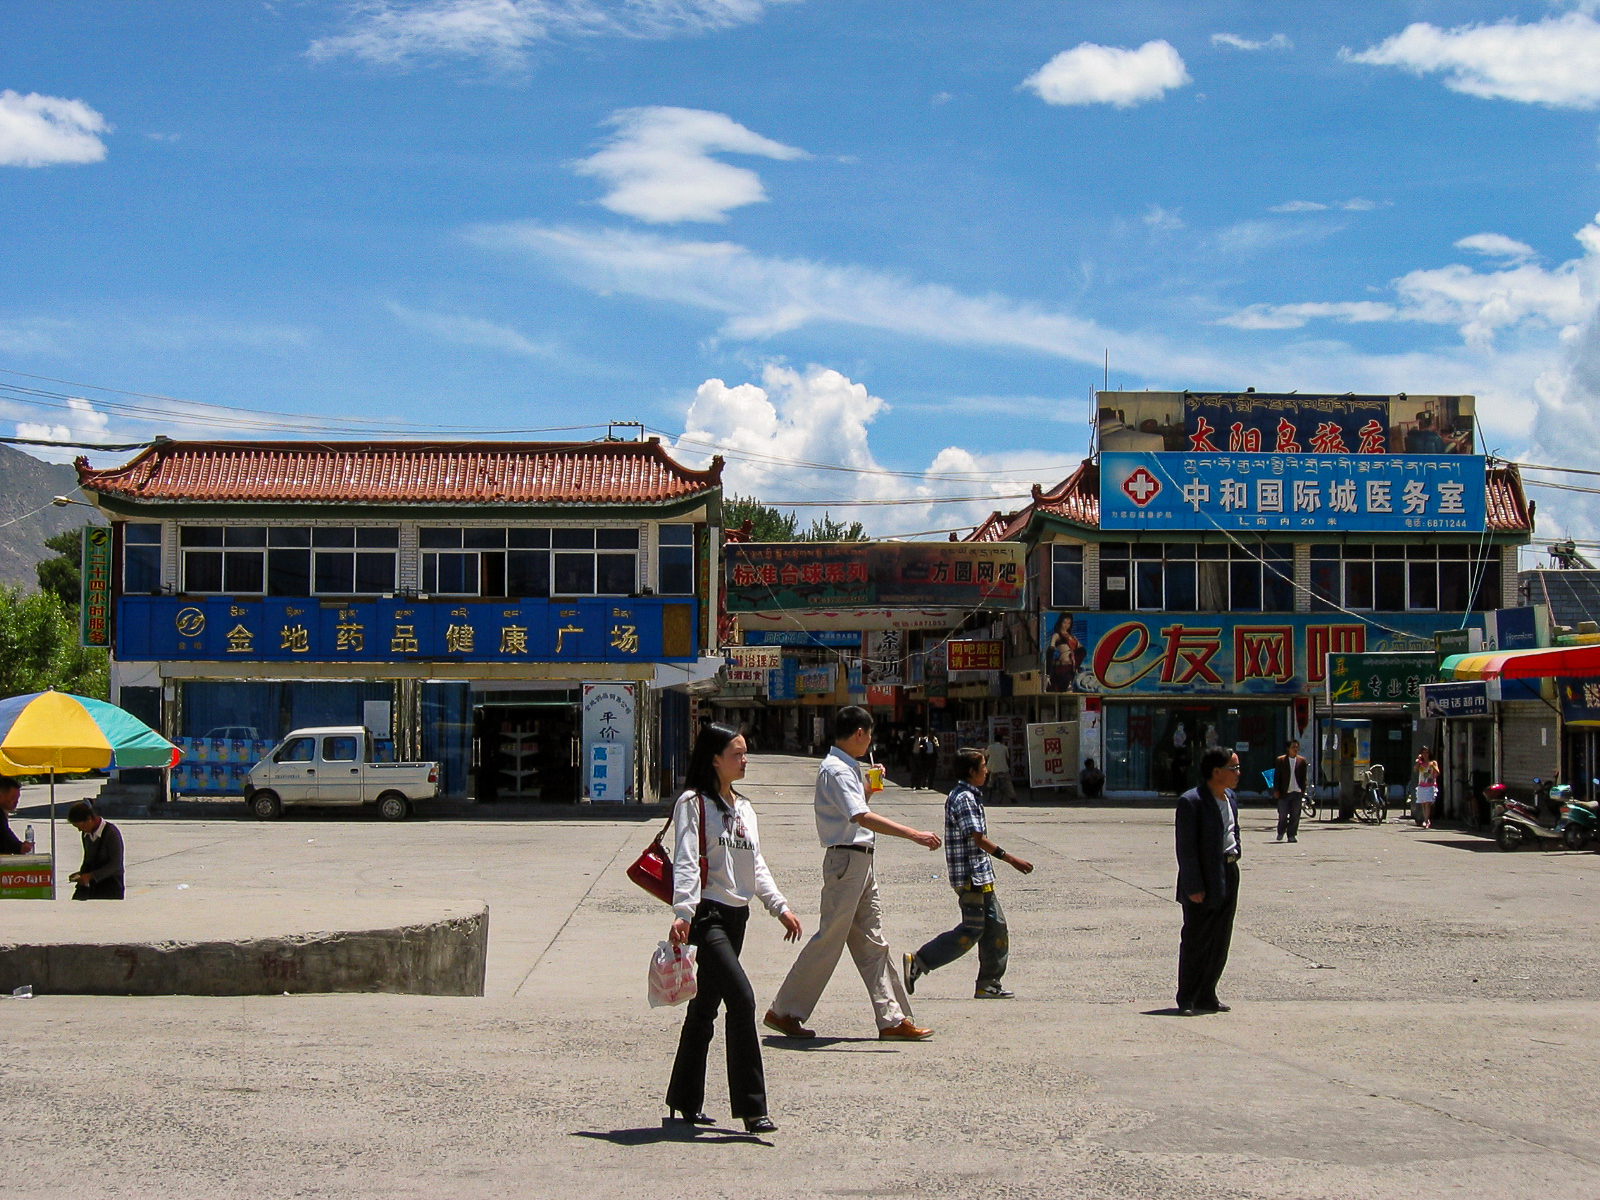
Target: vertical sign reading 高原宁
95,606
608,736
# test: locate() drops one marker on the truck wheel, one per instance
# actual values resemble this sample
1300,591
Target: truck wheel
392,806
266,806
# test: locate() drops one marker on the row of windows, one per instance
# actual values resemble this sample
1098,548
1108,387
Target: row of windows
1259,577
363,560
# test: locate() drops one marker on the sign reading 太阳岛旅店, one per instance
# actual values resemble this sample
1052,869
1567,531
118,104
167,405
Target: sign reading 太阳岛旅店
1394,493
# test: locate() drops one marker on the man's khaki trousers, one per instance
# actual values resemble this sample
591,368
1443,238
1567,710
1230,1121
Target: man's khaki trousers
851,916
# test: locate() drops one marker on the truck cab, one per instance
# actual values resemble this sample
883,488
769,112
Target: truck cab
335,766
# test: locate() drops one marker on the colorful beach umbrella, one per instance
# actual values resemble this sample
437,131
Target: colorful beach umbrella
59,733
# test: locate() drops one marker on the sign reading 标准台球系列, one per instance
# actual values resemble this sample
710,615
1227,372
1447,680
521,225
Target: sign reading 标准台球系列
1393,493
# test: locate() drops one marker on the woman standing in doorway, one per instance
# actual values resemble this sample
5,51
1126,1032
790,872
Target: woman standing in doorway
712,918
1427,786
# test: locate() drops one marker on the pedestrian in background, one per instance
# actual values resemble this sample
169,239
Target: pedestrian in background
101,875
1289,781
999,789
712,918
1427,786
969,852
851,913
1206,824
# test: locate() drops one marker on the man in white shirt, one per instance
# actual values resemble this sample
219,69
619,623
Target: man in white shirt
999,790
851,914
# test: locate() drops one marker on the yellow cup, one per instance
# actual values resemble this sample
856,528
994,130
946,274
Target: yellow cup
874,779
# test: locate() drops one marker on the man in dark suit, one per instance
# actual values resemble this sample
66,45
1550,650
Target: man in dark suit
100,877
1207,827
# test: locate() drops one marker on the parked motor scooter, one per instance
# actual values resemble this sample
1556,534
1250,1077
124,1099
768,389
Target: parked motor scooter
1513,822
1579,818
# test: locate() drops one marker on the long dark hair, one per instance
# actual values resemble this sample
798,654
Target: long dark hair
702,773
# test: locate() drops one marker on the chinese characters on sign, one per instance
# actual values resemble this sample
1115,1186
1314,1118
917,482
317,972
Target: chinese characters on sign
1263,653
1273,492
95,604
1052,755
161,627
1392,678
767,576
977,655
1454,700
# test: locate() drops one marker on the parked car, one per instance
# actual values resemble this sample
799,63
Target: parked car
234,733
335,766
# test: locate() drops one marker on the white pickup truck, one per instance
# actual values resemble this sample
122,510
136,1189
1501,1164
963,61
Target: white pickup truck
334,766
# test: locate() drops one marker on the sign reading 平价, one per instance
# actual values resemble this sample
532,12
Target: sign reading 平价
1306,492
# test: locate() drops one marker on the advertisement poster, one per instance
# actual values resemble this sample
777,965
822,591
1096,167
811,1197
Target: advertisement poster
767,576
1392,678
817,681
608,730
95,595
1252,654
885,658
1052,754
973,655
1302,492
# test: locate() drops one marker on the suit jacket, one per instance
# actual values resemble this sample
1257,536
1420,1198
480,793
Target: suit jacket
102,856
10,843
1200,838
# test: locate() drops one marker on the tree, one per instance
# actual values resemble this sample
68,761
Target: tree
63,574
826,529
39,648
767,524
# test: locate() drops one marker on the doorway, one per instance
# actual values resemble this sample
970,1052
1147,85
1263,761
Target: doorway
525,751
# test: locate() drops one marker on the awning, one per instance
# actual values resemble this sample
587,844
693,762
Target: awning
1569,662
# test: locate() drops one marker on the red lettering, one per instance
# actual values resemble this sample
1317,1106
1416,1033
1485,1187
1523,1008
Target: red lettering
1110,653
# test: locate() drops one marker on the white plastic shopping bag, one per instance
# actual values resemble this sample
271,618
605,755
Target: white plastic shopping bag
671,975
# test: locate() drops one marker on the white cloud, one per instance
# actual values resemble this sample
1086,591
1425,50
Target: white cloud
1354,204
471,331
1257,236
1293,316
41,131
1554,62
1299,206
1277,41
1091,74
775,432
1162,219
502,32
1496,245
82,423
660,168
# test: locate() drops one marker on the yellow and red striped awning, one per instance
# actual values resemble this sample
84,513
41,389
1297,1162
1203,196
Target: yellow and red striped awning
1568,662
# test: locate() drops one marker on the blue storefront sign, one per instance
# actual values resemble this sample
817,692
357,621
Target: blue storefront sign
1454,700
1515,629
1369,493
1247,654
165,628
1580,701
802,637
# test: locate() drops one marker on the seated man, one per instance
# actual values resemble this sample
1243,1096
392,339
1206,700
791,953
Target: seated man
100,877
1091,780
10,793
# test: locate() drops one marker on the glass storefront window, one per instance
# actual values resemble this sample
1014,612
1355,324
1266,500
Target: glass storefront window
1157,747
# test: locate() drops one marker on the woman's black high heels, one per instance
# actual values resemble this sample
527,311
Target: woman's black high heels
688,1118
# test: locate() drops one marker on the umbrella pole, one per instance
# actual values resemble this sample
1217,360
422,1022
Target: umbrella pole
52,833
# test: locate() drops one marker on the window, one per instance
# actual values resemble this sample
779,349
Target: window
141,559
289,560
1066,576
522,563
675,560
300,749
1178,577
1367,578
338,749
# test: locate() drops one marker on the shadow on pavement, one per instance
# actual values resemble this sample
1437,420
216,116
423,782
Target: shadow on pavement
1477,844
651,1135
820,1044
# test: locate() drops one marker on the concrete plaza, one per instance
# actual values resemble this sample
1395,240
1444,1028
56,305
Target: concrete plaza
1414,1015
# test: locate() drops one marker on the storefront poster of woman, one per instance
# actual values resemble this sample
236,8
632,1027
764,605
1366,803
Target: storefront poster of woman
1064,657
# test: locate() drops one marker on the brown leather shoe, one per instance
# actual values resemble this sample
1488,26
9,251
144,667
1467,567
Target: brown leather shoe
790,1027
904,1032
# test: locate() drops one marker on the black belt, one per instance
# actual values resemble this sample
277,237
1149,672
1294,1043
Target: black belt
858,847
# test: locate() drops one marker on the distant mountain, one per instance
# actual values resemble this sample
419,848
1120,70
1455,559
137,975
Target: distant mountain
27,517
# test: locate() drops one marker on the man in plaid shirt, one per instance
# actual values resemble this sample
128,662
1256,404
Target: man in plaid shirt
969,853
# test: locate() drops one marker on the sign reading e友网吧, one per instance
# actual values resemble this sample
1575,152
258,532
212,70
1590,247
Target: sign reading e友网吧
1393,493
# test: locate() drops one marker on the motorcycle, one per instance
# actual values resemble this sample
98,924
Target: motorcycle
1513,822
1579,818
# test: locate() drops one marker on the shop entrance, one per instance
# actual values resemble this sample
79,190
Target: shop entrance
1583,759
524,750
1157,747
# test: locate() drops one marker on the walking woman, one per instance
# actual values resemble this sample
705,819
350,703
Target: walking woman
713,918
1427,786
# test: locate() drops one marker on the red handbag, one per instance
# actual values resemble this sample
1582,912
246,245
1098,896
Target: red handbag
652,870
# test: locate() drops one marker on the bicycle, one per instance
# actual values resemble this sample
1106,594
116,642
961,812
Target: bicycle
1372,802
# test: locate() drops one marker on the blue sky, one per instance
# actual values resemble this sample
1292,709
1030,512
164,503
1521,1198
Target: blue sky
896,237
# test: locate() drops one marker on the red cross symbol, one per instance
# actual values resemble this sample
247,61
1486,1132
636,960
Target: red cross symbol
1142,487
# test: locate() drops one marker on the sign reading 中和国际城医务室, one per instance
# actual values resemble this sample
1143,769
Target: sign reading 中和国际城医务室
1393,493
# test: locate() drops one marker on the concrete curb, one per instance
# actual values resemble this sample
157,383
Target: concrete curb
447,957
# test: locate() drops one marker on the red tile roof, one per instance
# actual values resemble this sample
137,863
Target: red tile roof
402,473
1077,499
